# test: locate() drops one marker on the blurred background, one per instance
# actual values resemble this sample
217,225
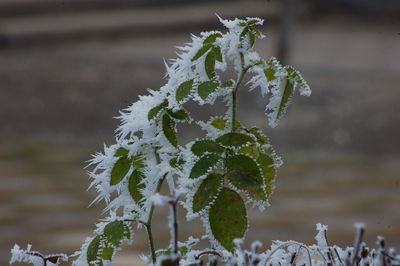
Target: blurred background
68,67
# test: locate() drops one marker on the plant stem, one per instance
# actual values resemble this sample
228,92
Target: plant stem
151,243
234,91
175,226
148,223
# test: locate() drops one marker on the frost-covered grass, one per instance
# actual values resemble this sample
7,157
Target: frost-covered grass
215,178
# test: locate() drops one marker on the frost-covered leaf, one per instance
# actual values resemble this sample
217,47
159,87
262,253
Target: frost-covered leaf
234,139
287,94
138,161
270,73
228,219
202,146
107,253
207,191
251,150
121,152
206,88
288,80
154,112
135,185
245,31
168,126
115,232
249,23
183,91
267,168
209,64
179,115
244,173
120,169
182,250
219,123
93,251
204,164
176,163
256,32
218,54
252,38
228,84
298,82
212,38
202,51
261,138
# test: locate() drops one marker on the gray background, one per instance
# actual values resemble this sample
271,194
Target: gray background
68,67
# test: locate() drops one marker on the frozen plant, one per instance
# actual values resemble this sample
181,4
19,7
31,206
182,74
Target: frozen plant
217,175
215,178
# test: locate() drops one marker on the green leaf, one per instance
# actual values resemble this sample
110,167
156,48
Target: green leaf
261,138
107,253
270,73
168,126
228,84
238,124
244,33
135,185
204,164
252,22
206,88
209,64
268,170
218,54
252,38
228,219
183,91
251,150
202,51
176,163
248,23
202,146
154,112
138,161
183,250
212,38
120,169
244,174
179,115
93,251
114,232
255,31
219,123
287,94
234,139
243,170
121,152
207,192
